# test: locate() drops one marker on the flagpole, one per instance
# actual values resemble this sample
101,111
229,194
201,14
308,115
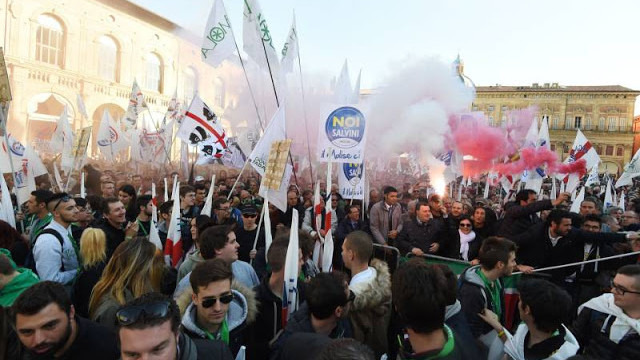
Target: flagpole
255,241
238,179
164,146
244,70
304,109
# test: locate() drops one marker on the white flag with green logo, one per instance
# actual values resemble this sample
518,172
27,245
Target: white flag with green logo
289,50
256,37
218,43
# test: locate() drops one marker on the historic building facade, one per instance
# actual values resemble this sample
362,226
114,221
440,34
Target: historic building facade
57,50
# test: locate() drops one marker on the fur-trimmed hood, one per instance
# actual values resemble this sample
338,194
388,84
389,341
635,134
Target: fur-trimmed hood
245,299
372,294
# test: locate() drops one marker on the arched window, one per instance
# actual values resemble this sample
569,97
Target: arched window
613,123
108,58
50,40
190,84
153,72
219,92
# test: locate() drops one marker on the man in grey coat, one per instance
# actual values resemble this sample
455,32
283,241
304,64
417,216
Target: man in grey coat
386,217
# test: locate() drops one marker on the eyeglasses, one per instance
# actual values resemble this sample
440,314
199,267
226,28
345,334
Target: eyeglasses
224,299
62,199
622,290
131,314
465,225
249,215
225,210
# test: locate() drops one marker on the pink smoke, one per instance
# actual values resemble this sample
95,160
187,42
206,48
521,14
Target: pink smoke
531,158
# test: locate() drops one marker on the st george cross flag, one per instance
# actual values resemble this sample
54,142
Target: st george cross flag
136,106
218,43
275,132
257,40
290,49
201,123
173,245
110,138
291,272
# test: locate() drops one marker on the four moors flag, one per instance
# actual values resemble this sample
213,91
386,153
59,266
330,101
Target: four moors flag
218,43
200,127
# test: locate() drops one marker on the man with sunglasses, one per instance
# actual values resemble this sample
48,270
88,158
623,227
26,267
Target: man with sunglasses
47,326
149,328
608,326
55,251
216,311
85,217
246,234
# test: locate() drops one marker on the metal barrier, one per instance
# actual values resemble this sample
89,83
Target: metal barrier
389,254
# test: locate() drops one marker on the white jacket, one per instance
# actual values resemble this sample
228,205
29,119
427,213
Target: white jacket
514,346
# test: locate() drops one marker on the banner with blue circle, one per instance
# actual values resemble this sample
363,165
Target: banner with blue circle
342,135
351,181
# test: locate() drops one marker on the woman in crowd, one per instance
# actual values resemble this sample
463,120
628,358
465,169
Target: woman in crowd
127,195
93,253
469,241
133,271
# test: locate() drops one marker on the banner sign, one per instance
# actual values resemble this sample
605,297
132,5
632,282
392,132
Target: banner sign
351,181
80,146
342,135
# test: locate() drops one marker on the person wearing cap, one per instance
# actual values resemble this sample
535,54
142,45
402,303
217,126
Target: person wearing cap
55,252
246,234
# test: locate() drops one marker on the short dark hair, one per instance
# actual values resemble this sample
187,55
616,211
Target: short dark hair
277,254
556,216
325,292
108,201
361,244
42,195
549,303
346,349
148,320
592,217
39,296
128,189
55,198
199,186
210,271
166,207
452,283
212,239
422,203
389,189
523,195
632,270
495,249
6,267
434,197
82,202
219,201
416,292
185,189
142,201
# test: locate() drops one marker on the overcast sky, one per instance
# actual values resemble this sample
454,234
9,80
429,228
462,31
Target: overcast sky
588,42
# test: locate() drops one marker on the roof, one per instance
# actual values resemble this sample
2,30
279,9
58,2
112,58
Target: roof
556,88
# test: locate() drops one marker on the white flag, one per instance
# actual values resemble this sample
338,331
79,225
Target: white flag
343,92
623,201
575,206
206,208
290,49
631,170
351,180
62,140
218,43
201,123
593,177
110,139
57,177
291,270
81,108
257,40
327,255
279,197
83,191
136,106
608,198
267,224
275,132
355,96
6,207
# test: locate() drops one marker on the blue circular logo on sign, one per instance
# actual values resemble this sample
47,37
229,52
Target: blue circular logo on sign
345,127
353,173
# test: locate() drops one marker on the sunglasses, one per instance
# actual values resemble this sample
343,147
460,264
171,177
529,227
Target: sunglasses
132,314
465,225
224,299
249,215
62,199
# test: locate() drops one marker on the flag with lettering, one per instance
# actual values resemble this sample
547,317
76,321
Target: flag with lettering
257,40
218,43
290,50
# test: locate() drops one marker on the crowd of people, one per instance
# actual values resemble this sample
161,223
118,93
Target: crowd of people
80,279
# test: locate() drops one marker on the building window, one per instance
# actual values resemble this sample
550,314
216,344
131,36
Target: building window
613,123
108,58
623,124
599,149
153,72
577,122
219,92
609,151
601,124
619,151
555,123
553,147
567,123
589,124
491,121
189,84
503,121
50,40
490,108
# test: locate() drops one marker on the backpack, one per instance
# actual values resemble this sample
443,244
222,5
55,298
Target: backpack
30,261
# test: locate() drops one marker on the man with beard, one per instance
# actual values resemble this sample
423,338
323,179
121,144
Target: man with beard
114,227
48,328
55,252
145,208
38,213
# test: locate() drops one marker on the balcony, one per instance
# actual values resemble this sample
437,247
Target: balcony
618,129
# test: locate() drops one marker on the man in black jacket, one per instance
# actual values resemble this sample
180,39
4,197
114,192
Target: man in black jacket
149,325
521,215
422,235
115,225
47,326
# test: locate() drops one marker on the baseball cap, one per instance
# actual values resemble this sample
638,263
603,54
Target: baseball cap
248,208
199,178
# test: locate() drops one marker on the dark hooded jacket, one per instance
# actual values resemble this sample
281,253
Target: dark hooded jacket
474,297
